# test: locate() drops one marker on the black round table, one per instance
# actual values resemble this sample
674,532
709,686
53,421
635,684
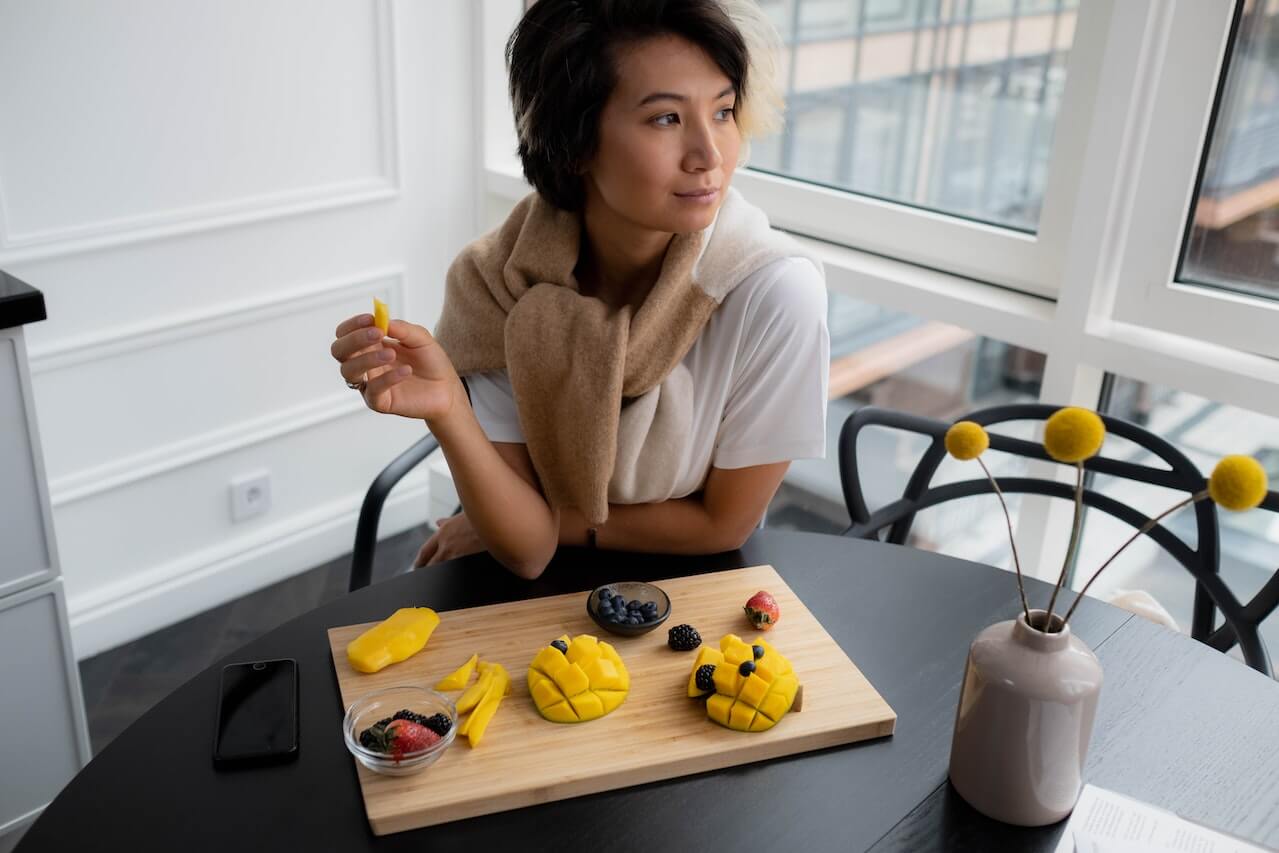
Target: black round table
1179,726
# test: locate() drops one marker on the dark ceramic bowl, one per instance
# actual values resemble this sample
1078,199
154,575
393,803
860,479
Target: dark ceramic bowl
630,590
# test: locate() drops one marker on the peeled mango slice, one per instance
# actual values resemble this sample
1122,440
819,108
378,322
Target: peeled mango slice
402,634
499,684
584,683
381,315
459,677
750,703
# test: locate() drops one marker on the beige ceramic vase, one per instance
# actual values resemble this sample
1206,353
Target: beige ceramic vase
1025,716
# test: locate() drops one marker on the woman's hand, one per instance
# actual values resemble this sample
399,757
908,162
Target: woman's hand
454,538
406,373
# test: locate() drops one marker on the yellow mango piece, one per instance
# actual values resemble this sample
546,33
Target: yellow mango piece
741,716
381,315
551,661
479,720
587,705
727,680
753,690
560,712
718,708
603,674
545,693
584,682
753,703
583,649
475,692
611,698
774,706
459,677
402,634
573,680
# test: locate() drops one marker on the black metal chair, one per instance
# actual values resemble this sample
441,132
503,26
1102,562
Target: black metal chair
1239,620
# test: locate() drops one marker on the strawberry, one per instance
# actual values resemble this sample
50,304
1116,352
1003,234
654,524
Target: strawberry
400,738
762,611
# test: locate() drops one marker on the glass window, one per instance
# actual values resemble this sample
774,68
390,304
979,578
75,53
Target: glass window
900,361
1234,235
1205,431
948,106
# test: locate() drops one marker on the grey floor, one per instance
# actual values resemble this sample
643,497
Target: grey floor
122,684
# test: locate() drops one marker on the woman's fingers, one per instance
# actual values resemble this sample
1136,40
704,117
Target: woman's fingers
354,341
409,334
350,324
427,551
367,364
384,381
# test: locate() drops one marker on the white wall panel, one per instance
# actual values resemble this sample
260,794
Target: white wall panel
156,390
203,191
177,111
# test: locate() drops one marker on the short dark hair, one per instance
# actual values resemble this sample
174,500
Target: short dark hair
561,61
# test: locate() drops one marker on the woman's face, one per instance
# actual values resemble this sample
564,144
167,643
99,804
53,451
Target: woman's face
668,139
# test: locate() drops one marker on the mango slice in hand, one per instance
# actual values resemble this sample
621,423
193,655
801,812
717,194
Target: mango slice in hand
459,677
381,315
403,634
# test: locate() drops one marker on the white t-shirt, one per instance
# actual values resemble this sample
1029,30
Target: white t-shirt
761,370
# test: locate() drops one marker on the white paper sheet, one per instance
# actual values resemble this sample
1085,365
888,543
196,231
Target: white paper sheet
1106,822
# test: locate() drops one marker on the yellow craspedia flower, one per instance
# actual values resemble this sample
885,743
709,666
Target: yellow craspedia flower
1238,483
966,440
1073,434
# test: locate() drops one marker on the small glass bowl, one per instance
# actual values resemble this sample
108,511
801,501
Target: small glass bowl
630,590
380,704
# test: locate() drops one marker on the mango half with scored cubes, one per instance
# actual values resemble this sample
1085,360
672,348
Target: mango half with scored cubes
576,680
748,687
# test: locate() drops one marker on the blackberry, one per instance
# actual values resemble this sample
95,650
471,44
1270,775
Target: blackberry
683,638
410,716
438,723
747,667
561,645
757,651
706,677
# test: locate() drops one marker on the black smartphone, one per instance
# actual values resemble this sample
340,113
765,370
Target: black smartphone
257,719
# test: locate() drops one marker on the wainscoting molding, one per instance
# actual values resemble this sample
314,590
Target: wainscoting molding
22,248
158,330
162,595
386,283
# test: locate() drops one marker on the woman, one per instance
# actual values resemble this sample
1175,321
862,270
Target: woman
644,356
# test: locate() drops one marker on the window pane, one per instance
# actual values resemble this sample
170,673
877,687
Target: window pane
943,104
899,361
1234,238
1205,431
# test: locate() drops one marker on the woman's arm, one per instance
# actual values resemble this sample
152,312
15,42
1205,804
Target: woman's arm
719,518
503,502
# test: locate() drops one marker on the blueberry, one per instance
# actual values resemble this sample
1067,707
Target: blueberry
633,605
758,651
560,644
605,595
747,667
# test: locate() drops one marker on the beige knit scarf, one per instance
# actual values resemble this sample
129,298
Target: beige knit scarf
604,401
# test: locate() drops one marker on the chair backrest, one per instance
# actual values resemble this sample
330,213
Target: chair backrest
1240,621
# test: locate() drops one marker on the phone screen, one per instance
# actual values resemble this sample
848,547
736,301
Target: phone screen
257,711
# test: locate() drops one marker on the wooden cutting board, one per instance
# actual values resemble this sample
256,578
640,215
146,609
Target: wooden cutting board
657,733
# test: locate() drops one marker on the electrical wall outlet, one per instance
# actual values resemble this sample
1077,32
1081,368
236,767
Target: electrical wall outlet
250,495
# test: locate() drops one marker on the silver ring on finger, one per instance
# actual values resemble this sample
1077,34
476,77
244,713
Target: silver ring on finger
359,386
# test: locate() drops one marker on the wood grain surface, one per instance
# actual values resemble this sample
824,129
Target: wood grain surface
657,733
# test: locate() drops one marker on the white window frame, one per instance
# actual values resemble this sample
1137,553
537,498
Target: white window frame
1124,48
1184,90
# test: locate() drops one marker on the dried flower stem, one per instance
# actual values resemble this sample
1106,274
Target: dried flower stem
1070,549
1021,587
1143,530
